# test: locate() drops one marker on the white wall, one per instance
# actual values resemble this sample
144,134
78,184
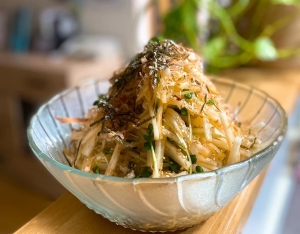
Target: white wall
128,21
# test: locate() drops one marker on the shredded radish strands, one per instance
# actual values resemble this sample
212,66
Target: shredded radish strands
161,118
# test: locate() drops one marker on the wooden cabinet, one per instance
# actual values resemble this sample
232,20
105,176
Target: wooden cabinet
26,82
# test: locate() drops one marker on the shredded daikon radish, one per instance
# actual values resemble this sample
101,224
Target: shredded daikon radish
207,132
234,153
114,159
226,129
161,118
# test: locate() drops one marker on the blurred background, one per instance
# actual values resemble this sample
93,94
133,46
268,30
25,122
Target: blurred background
47,46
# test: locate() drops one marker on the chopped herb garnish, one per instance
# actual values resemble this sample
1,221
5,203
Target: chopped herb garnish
107,151
147,146
149,137
145,172
96,170
174,166
101,98
199,169
193,158
188,95
212,103
184,111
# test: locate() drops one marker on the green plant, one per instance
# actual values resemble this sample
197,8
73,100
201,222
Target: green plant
223,42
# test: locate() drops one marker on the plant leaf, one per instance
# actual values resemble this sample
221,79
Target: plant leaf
214,48
265,49
189,22
286,2
181,23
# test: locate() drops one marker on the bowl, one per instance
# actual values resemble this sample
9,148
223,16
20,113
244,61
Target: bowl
149,204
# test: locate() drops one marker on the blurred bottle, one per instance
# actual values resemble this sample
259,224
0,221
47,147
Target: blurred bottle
20,36
65,27
56,25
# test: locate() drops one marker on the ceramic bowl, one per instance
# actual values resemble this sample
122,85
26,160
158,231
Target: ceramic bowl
155,204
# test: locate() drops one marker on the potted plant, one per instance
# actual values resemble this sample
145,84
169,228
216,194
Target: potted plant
229,34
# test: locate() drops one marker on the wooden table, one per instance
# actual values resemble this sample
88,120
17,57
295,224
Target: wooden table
69,215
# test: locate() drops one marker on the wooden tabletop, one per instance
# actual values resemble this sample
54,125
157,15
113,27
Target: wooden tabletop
69,215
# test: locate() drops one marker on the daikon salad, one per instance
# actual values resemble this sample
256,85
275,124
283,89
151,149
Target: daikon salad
162,117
